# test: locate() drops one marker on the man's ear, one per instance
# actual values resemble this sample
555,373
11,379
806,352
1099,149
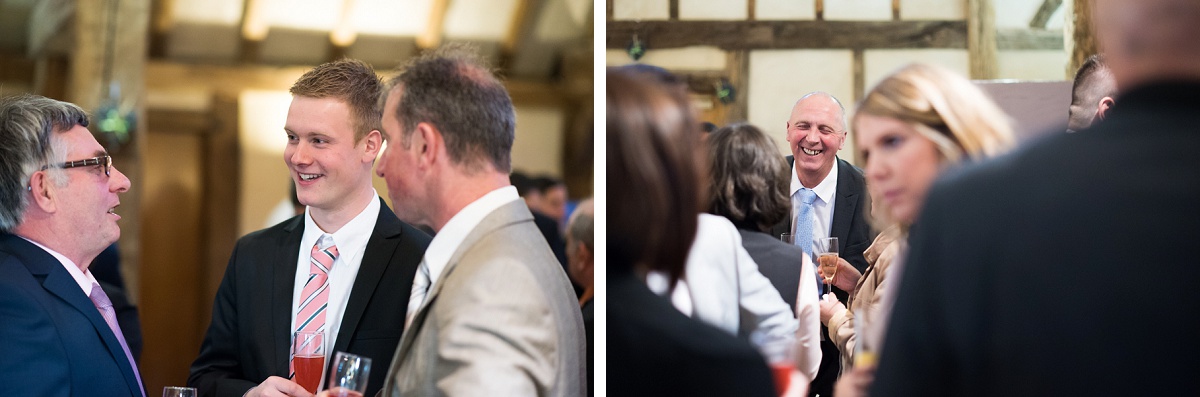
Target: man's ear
374,142
42,190
1102,109
427,143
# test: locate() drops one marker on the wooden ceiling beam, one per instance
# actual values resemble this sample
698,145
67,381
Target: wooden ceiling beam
432,37
1042,17
254,29
754,35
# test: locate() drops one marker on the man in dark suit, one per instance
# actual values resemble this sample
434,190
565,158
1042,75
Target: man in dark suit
58,197
837,199
345,267
1047,272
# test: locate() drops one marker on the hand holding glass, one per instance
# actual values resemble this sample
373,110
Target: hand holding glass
826,250
348,376
308,351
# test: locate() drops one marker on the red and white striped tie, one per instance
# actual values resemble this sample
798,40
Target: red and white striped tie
315,295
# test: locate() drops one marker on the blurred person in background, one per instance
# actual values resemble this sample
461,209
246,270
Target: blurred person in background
655,168
913,125
749,188
1092,94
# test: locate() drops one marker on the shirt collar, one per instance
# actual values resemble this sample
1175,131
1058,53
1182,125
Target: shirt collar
352,237
825,189
447,240
83,277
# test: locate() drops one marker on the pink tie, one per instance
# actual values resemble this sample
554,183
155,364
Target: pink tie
315,295
110,316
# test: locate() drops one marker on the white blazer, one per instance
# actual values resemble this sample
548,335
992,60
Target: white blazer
723,287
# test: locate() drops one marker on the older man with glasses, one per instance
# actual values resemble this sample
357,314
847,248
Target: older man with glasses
58,198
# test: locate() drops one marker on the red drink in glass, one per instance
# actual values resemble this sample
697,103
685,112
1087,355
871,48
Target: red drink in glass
308,372
783,376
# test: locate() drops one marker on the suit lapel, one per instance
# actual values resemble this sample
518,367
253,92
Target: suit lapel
283,277
381,247
846,205
505,215
59,283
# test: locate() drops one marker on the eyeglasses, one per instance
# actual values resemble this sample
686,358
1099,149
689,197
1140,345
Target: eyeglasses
105,161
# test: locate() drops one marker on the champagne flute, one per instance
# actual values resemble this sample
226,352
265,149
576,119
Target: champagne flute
175,391
826,250
348,376
308,357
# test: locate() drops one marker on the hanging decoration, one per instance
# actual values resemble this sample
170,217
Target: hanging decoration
636,49
115,126
725,91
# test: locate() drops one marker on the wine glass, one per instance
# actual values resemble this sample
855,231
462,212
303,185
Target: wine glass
175,391
826,250
349,374
308,358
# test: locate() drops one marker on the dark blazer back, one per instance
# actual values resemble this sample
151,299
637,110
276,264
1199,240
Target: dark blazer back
249,338
54,340
777,261
654,350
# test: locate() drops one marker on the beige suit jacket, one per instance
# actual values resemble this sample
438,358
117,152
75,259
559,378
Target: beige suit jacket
866,298
502,320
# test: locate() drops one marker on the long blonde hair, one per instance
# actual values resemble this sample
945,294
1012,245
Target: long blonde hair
943,107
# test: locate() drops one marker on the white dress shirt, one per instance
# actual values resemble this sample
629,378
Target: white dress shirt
83,277
351,242
823,206
447,240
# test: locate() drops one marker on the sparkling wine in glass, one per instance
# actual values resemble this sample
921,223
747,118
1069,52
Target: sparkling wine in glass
826,250
308,352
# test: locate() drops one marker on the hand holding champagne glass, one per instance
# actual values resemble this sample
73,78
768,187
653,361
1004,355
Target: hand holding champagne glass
826,250
308,351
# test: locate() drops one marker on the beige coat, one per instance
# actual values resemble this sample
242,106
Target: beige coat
500,321
866,297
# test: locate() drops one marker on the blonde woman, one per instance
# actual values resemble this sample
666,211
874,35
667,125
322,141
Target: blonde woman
914,124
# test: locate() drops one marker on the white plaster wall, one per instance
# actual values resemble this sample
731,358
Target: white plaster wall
539,141
264,176
713,9
785,10
858,10
1032,65
943,10
780,77
691,58
1018,13
878,64
641,9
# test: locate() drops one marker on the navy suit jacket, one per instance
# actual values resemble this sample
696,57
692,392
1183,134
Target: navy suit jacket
249,338
53,340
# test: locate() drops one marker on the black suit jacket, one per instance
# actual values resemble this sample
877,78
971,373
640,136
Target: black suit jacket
249,338
654,350
1065,268
854,234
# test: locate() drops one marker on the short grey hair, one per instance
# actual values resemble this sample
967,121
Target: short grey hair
845,121
27,123
581,225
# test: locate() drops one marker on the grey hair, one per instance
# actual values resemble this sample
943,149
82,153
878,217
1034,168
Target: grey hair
27,123
454,90
581,225
842,109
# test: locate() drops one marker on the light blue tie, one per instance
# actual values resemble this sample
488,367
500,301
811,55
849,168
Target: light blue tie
804,218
